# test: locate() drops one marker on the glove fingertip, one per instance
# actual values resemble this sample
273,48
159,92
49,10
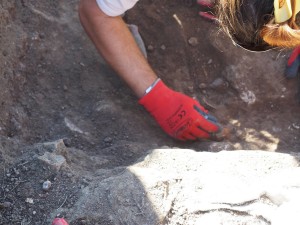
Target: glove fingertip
221,135
212,118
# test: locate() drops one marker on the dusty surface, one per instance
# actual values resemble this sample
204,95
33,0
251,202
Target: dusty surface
181,186
53,85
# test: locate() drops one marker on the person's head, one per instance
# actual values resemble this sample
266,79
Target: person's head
261,24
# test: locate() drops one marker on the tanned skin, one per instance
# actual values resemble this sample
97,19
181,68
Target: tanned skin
115,43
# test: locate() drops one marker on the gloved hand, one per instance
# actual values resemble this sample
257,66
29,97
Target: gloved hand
293,65
59,221
179,115
209,5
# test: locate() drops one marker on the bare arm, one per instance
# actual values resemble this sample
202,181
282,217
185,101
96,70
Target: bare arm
178,115
115,43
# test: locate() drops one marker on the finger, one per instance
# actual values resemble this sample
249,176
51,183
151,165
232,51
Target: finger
188,136
206,3
209,122
191,132
211,118
208,16
200,107
198,132
59,221
209,126
221,135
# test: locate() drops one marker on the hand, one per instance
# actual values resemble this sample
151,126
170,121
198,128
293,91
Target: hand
59,221
179,115
293,65
209,5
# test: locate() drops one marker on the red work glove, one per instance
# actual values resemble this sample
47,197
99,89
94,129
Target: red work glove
59,221
209,5
179,115
293,65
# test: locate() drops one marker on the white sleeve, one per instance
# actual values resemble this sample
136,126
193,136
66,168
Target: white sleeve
115,7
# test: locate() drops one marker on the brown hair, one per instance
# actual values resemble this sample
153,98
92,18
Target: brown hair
251,24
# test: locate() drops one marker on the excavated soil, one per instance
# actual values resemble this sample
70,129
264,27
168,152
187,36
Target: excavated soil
55,86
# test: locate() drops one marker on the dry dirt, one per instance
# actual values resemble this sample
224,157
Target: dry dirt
53,86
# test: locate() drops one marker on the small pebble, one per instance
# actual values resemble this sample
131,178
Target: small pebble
191,88
6,205
41,36
239,133
193,41
69,175
29,200
163,47
217,83
67,142
46,185
108,140
202,86
150,48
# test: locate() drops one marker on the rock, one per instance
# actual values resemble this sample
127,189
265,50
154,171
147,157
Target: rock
53,160
180,186
163,47
51,153
47,185
108,140
29,200
219,82
193,41
5,205
202,86
57,147
67,142
150,48
248,97
220,85
296,126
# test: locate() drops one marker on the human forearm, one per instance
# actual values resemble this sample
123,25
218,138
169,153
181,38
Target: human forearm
179,115
115,43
